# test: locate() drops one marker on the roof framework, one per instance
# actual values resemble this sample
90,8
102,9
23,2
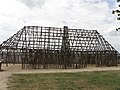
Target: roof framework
50,47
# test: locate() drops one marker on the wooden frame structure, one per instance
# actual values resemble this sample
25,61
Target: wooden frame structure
50,47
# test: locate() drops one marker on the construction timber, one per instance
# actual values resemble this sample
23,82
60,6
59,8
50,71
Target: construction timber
38,47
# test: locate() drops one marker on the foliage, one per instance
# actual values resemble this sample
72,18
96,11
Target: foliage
117,12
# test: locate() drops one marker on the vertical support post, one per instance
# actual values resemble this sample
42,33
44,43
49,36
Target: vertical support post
65,47
7,58
0,65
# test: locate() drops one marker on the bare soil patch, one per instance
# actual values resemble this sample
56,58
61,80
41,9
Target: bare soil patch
16,69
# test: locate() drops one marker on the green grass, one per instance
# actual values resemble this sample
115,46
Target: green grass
109,80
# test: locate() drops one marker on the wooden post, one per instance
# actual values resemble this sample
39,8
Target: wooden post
0,65
52,47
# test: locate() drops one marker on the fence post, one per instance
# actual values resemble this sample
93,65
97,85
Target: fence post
0,65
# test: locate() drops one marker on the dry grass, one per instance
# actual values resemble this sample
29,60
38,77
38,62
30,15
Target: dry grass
16,69
108,80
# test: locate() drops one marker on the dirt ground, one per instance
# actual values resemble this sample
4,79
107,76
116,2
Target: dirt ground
7,72
16,69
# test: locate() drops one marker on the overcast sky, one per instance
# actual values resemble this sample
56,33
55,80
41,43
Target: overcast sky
84,14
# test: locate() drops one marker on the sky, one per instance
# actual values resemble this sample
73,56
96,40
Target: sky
81,14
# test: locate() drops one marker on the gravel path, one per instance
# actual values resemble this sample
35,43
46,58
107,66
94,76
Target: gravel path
16,69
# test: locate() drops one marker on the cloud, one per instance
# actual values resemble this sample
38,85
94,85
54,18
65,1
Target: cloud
114,33
33,3
85,14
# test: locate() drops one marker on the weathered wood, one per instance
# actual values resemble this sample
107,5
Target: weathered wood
61,48
0,65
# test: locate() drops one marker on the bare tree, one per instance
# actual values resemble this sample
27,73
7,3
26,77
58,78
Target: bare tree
117,12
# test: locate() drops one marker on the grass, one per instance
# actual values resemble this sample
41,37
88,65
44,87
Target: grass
109,80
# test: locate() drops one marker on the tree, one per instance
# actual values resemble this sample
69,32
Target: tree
117,12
